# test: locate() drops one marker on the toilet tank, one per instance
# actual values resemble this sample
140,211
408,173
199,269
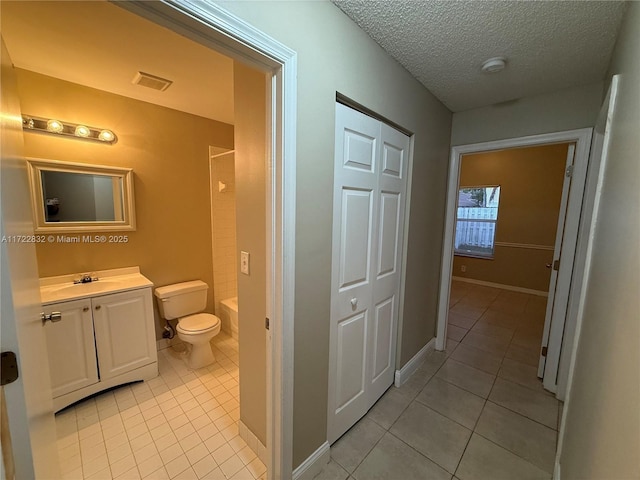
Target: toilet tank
182,299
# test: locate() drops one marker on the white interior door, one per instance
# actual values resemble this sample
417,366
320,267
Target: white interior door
368,223
30,431
557,300
567,272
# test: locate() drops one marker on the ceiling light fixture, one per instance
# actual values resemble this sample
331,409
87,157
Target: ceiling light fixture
494,65
66,129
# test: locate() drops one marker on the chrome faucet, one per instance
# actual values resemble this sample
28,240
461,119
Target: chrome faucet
85,278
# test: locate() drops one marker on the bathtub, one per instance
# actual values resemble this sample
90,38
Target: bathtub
229,316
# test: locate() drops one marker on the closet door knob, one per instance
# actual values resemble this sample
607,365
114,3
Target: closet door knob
354,303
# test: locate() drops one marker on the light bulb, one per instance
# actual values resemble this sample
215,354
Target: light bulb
106,136
55,126
82,131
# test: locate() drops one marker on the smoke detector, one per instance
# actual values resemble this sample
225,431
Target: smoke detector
494,65
151,81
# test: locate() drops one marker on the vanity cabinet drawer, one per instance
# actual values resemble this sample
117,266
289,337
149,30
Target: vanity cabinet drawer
71,347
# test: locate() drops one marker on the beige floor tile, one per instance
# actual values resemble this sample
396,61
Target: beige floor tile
388,408
452,402
355,445
521,373
502,319
456,333
485,361
536,306
490,330
466,377
526,438
523,354
392,459
468,310
451,346
484,460
460,320
527,338
445,442
476,300
332,471
537,406
497,346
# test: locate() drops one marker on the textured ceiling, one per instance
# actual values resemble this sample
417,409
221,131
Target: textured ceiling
100,45
548,45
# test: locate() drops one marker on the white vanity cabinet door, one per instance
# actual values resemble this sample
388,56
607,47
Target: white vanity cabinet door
124,331
70,347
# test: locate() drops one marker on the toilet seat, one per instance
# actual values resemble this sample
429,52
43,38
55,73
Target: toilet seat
198,323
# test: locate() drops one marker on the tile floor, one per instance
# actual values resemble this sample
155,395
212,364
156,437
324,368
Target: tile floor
180,425
476,411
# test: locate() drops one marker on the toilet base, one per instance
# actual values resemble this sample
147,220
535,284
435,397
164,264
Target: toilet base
199,355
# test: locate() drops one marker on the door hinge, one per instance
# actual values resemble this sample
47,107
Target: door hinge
266,323
544,351
8,368
556,264
569,171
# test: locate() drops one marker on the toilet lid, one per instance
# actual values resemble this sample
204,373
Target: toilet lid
198,322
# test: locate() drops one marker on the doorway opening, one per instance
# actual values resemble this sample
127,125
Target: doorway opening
511,208
568,281
216,29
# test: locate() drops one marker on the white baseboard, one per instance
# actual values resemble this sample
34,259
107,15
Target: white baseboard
530,291
254,443
412,365
313,465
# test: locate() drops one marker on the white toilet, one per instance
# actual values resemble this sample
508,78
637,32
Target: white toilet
183,301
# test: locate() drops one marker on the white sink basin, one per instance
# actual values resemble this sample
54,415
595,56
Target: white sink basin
62,288
97,286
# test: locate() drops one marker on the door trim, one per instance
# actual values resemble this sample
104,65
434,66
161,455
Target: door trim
215,27
582,139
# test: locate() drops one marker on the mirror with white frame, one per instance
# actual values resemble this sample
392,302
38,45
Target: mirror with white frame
77,197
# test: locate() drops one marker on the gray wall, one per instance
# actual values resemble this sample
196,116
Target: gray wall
566,109
334,55
602,436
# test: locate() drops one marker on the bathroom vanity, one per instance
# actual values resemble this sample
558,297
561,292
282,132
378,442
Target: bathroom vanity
99,334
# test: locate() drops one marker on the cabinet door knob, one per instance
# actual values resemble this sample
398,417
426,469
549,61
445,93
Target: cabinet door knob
354,303
52,317
97,307
85,309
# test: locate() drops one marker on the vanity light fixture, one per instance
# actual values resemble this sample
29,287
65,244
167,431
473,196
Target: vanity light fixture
106,136
52,126
82,131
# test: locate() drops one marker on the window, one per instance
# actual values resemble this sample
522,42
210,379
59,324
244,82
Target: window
476,221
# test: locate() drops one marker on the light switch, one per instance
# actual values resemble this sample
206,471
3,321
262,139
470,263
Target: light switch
244,263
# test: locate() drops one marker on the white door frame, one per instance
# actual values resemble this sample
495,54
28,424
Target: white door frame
216,28
582,139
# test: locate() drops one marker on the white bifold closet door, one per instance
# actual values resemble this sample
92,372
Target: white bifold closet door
370,188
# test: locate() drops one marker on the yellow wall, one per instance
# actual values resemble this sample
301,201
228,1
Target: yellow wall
168,151
530,182
250,139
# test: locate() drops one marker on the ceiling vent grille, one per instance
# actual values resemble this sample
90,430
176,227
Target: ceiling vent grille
151,81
